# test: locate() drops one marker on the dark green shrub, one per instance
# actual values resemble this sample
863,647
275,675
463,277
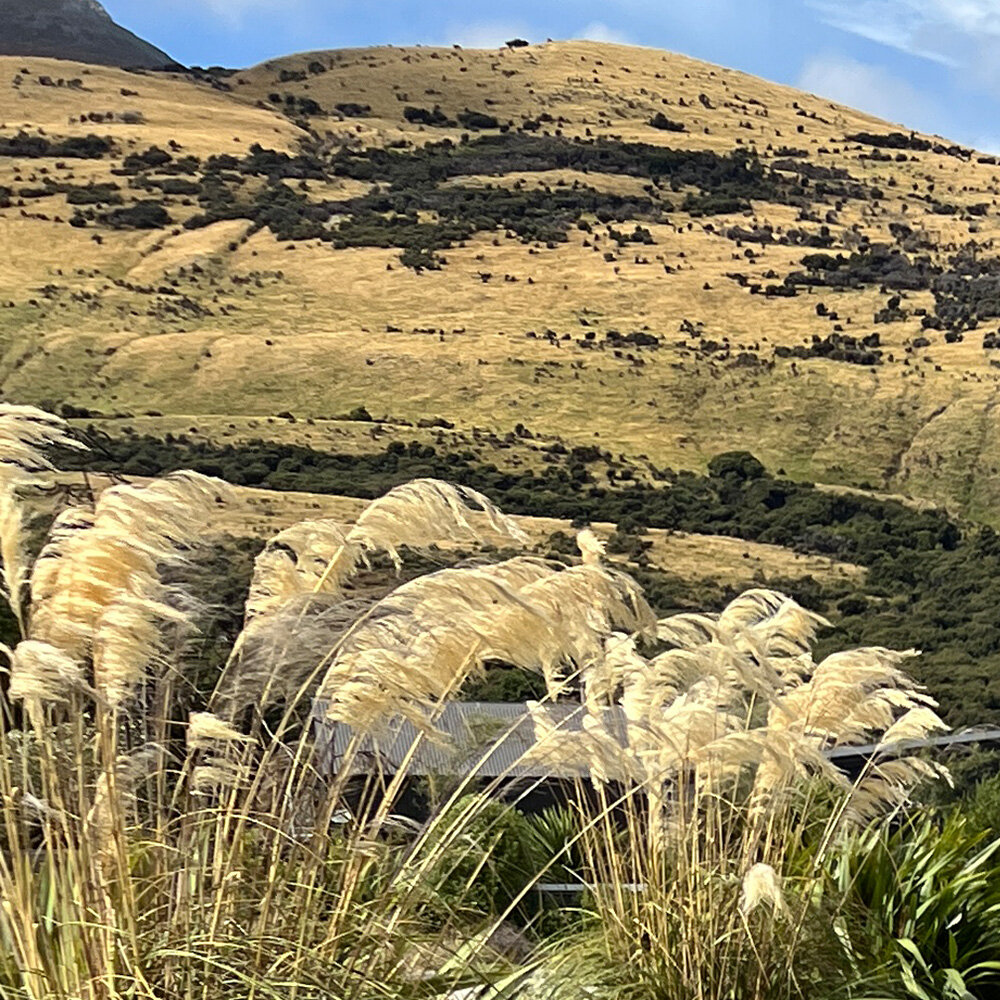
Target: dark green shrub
141,215
661,121
477,120
421,116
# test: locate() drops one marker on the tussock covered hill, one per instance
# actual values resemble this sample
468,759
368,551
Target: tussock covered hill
72,29
573,243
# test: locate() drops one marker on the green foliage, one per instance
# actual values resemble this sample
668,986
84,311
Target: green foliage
420,259
178,186
874,264
94,194
662,122
738,172
289,214
400,214
477,120
980,804
421,116
504,683
836,347
351,110
902,140
929,585
152,158
393,218
555,842
24,146
141,215
487,858
738,465
932,894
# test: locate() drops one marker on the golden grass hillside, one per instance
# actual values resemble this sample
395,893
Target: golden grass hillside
200,320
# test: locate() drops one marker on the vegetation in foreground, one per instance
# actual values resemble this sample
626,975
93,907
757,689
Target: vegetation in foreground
932,581
157,844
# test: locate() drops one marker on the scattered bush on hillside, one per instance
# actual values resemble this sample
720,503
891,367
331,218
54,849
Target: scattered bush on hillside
420,259
90,147
351,110
153,158
662,122
397,215
141,215
477,120
911,141
837,347
875,264
890,140
94,194
421,116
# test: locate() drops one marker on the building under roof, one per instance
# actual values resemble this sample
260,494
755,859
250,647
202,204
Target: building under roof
493,740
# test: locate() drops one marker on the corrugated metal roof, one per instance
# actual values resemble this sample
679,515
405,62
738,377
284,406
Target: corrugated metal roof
980,734
489,738
493,739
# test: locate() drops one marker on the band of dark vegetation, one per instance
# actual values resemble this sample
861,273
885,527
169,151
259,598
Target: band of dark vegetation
413,208
931,582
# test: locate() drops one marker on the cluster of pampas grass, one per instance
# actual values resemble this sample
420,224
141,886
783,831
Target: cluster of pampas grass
97,589
25,433
148,853
417,647
714,751
132,863
303,570
93,609
740,693
321,556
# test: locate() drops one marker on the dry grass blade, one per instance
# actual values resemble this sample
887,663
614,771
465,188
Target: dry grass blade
297,561
424,512
591,548
320,557
25,433
277,653
419,644
762,884
40,673
738,693
98,591
206,731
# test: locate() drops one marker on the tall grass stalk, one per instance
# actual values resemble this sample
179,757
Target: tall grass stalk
719,814
148,853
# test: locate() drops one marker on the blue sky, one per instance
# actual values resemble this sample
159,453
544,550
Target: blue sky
931,64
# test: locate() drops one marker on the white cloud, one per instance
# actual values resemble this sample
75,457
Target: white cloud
236,12
485,34
952,32
868,88
598,31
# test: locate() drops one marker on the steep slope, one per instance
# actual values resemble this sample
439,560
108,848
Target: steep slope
73,29
592,243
